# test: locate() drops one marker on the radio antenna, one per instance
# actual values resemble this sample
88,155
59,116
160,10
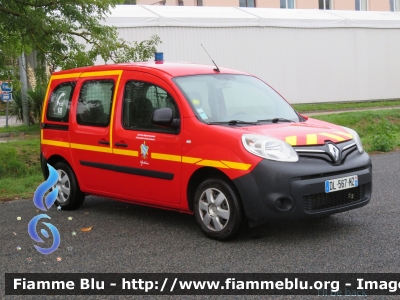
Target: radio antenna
216,67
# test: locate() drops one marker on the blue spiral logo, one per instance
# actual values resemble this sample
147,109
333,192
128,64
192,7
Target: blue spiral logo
48,201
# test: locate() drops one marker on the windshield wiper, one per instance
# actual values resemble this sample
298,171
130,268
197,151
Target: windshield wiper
233,122
276,120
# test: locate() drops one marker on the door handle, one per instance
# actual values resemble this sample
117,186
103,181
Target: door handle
103,142
121,145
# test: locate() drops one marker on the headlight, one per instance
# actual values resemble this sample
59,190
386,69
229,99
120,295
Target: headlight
356,139
269,148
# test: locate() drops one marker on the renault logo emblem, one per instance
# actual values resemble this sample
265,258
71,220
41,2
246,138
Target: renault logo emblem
334,152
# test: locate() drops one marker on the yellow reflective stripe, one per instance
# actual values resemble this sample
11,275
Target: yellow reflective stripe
311,139
113,105
168,157
125,152
338,138
101,73
91,148
215,163
212,163
236,165
190,160
291,140
55,143
65,76
345,134
45,100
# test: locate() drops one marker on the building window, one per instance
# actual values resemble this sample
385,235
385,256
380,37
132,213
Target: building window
287,3
361,4
247,3
395,5
199,2
325,4
180,2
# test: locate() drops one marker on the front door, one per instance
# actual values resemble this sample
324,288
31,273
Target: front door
147,158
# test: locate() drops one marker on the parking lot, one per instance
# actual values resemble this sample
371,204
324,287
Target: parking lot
128,238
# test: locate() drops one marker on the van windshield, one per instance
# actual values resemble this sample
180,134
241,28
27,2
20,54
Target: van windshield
234,99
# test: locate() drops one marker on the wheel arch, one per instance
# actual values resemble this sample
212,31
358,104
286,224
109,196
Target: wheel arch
52,160
199,176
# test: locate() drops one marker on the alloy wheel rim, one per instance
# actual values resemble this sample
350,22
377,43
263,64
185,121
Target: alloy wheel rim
214,209
64,186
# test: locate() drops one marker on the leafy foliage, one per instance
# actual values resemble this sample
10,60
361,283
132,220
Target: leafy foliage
60,31
35,102
36,98
16,105
384,137
378,129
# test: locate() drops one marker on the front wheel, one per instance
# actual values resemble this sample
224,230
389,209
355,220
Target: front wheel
69,194
218,210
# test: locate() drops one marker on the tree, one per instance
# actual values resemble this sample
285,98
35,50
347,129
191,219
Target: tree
66,33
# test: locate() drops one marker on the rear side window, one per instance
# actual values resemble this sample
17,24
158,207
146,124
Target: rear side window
60,102
141,99
94,104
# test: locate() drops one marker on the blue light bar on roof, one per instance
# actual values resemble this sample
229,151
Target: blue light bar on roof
159,56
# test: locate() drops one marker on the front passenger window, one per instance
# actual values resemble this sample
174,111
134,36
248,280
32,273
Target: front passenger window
141,99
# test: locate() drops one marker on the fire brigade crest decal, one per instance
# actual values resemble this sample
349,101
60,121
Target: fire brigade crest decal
144,150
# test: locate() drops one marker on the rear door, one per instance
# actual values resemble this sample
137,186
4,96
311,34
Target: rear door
90,131
147,158
56,116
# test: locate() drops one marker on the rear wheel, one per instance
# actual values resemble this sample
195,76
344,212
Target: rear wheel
69,194
218,210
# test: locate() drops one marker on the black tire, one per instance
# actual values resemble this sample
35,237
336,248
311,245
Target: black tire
67,180
218,209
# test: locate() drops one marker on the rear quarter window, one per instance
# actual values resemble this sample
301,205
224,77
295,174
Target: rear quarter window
60,102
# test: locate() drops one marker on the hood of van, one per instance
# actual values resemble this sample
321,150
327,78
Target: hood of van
310,132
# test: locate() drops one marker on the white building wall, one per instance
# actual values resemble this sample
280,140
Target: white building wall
304,65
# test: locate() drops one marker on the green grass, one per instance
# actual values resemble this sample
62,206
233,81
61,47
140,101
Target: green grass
20,188
19,158
20,172
367,123
343,106
32,129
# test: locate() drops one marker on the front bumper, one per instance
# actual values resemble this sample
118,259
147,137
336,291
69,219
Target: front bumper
280,191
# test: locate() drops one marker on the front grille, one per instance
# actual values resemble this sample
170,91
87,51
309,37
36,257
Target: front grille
322,152
323,201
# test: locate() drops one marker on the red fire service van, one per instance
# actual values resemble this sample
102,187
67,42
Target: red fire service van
218,143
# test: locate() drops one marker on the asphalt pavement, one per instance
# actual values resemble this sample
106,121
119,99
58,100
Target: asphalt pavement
126,238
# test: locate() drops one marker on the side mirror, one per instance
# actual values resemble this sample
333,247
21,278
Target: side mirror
162,117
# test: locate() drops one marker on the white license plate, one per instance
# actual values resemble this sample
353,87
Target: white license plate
343,183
